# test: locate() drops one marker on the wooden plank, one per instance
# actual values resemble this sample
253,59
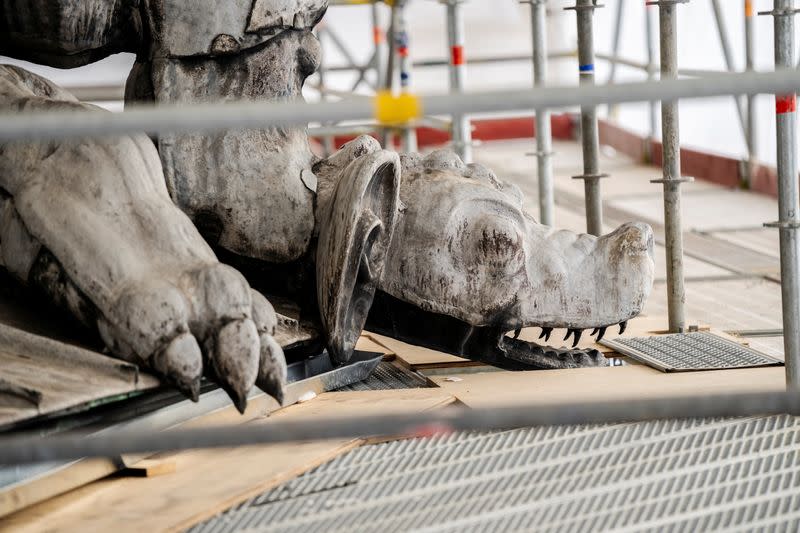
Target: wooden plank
635,382
418,357
206,482
365,344
150,468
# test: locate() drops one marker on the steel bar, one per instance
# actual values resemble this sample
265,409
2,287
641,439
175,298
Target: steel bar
619,17
249,115
26,448
788,200
651,74
727,53
462,128
379,42
670,133
544,134
590,137
409,132
328,142
387,139
752,111
565,54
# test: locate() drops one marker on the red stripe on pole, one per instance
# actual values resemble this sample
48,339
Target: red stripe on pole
786,104
402,51
458,55
377,35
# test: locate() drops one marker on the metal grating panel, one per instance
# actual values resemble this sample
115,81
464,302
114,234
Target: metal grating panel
692,475
388,376
689,351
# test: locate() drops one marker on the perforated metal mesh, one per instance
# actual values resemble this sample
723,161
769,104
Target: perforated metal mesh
696,475
690,351
388,376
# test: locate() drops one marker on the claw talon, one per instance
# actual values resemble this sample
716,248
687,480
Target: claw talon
600,336
578,333
622,327
235,359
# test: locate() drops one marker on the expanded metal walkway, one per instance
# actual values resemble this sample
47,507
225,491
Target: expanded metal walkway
700,475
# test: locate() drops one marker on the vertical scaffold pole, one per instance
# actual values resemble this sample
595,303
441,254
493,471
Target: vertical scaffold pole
387,138
544,134
328,141
379,41
462,128
619,17
590,138
409,133
672,180
752,112
652,108
788,201
730,65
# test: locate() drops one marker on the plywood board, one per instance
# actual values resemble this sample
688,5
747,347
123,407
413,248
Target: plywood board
42,376
207,482
418,357
738,304
634,382
365,344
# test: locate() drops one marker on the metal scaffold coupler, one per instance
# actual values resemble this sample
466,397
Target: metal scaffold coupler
591,177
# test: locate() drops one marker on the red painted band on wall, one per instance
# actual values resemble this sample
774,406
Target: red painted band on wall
786,103
458,55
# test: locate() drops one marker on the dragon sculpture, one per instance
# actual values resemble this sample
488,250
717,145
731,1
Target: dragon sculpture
159,244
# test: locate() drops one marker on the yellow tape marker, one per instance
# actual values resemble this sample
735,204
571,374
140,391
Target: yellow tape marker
394,110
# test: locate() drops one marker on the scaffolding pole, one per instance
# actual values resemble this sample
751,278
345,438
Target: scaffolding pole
752,116
788,200
409,132
387,138
590,137
31,448
462,128
727,53
155,119
652,108
544,134
379,42
619,17
672,180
